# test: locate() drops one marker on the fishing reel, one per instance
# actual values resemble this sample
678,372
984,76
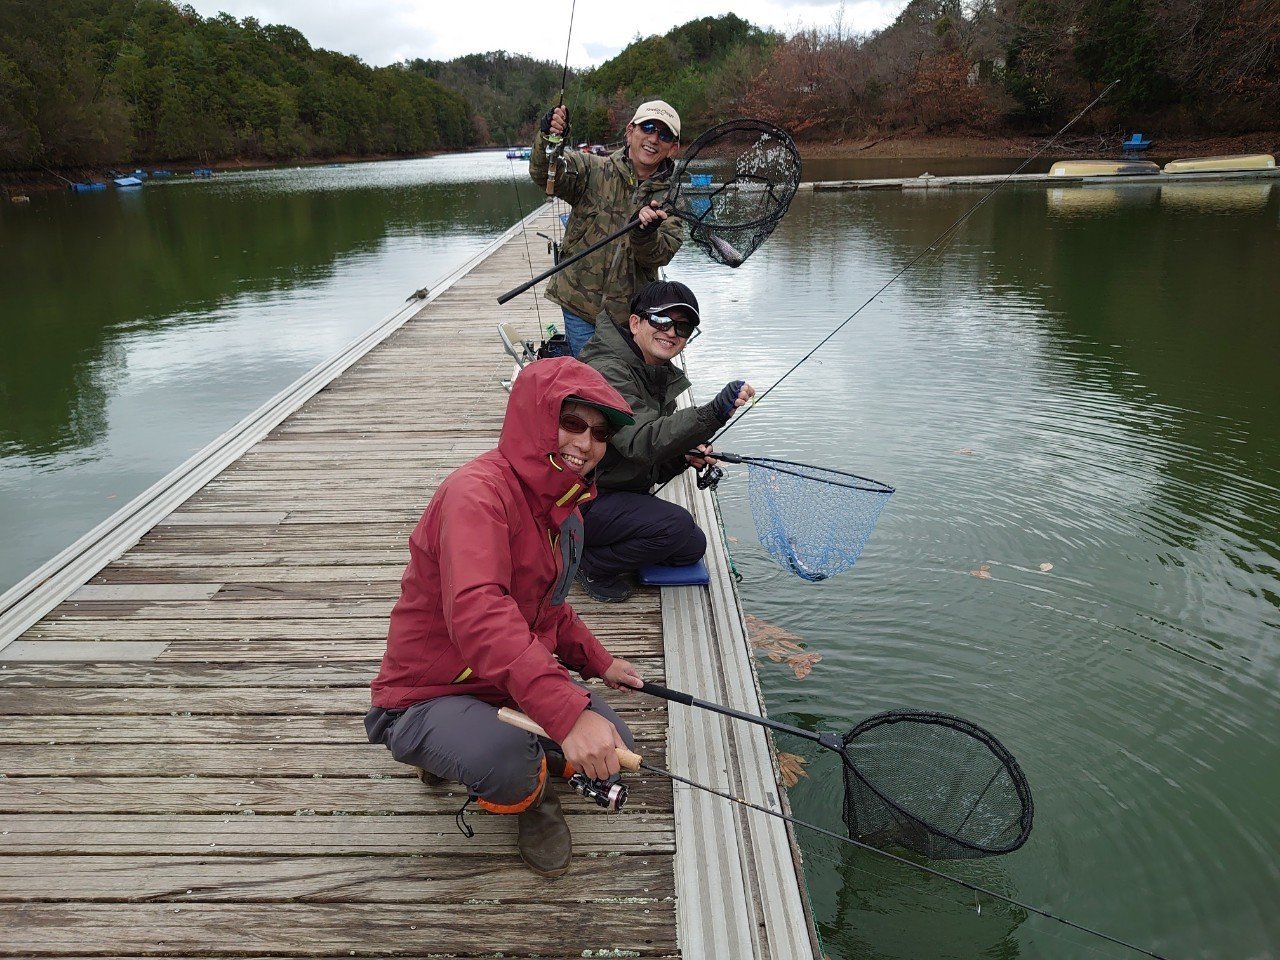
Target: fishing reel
610,794
708,476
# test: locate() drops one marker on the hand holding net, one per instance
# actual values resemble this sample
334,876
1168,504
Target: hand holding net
733,187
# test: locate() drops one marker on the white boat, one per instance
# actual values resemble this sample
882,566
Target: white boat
1103,168
1240,161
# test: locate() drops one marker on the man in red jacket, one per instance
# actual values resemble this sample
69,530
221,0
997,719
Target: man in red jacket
482,621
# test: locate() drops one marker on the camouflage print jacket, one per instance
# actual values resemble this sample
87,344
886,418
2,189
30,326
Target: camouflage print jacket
604,194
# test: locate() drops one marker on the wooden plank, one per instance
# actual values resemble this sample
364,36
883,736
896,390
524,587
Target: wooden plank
322,795
241,835
20,651
597,879
144,591
101,676
220,728
183,518
210,760
644,929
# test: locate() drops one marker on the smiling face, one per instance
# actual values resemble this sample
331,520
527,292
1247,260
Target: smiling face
647,150
580,452
658,346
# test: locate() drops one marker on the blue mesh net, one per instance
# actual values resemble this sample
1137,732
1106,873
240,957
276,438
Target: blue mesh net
813,521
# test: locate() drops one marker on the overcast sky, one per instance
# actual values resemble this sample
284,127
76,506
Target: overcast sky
392,30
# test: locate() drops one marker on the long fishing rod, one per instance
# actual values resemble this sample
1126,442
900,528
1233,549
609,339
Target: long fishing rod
632,761
559,139
925,252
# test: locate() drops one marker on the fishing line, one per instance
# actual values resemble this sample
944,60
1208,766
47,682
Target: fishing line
931,248
524,234
976,888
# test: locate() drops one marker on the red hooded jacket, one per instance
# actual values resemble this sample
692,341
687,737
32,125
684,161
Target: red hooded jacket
477,612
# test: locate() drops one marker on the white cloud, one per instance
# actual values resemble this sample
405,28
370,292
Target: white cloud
394,30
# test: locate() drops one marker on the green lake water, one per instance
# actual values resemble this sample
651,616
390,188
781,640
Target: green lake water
1082,377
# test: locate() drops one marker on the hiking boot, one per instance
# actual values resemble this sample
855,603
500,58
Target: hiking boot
613,589
427,777
544,841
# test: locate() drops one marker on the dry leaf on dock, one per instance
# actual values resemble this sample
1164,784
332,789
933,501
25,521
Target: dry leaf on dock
791,767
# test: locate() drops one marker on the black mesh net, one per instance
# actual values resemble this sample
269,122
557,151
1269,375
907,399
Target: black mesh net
812,520
933,784
734,185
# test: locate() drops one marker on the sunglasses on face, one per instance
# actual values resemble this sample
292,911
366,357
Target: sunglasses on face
653,126
682,328
570,423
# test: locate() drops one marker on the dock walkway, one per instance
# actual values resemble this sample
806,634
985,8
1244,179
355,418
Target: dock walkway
184,765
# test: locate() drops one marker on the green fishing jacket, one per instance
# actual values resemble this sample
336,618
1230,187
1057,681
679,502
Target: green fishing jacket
605,194
652,450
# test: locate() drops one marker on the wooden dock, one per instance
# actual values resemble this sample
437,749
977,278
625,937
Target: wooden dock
184,768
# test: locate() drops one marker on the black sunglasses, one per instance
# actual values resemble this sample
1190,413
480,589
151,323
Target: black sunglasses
653,126
683,328
575,425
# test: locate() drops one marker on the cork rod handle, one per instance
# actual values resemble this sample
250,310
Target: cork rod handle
626,759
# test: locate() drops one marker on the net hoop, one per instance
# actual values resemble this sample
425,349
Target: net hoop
984,737
837,478
743,124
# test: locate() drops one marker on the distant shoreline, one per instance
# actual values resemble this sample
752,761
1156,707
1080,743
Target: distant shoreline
890,146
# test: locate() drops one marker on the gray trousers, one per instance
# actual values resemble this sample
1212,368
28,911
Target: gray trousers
461,738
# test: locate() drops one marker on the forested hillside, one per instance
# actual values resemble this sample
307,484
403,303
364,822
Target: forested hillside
112,81
105,81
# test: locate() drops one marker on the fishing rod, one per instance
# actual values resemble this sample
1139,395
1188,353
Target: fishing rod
558,140
947,233
630,760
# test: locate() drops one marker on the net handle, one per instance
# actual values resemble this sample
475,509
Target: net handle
828,740
766,463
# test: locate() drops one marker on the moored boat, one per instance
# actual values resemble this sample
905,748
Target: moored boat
127,182
519,153
1240,161
1103,168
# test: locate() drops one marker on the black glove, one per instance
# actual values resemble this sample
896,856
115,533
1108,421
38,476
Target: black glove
646,229
722,405
545,125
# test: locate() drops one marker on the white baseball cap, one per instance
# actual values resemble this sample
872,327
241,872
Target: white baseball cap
658,110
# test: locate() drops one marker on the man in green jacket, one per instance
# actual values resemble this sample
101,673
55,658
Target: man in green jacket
605,193
626,527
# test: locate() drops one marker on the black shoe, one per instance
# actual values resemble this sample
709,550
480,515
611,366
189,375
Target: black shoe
613,589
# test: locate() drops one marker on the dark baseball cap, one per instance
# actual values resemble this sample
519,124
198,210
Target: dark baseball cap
663,295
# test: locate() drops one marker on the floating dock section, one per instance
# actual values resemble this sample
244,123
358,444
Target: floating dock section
184,765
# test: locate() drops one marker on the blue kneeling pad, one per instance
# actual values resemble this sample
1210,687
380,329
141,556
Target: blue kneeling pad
692,575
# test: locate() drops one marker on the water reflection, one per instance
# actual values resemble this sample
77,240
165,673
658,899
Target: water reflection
1091,200
140,325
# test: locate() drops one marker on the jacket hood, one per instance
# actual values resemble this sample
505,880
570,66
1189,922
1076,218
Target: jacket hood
531,431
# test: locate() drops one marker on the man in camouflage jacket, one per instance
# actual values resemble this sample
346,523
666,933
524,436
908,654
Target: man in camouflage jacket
605,193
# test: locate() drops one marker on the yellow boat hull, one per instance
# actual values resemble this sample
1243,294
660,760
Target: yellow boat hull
1102,168
1243,161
